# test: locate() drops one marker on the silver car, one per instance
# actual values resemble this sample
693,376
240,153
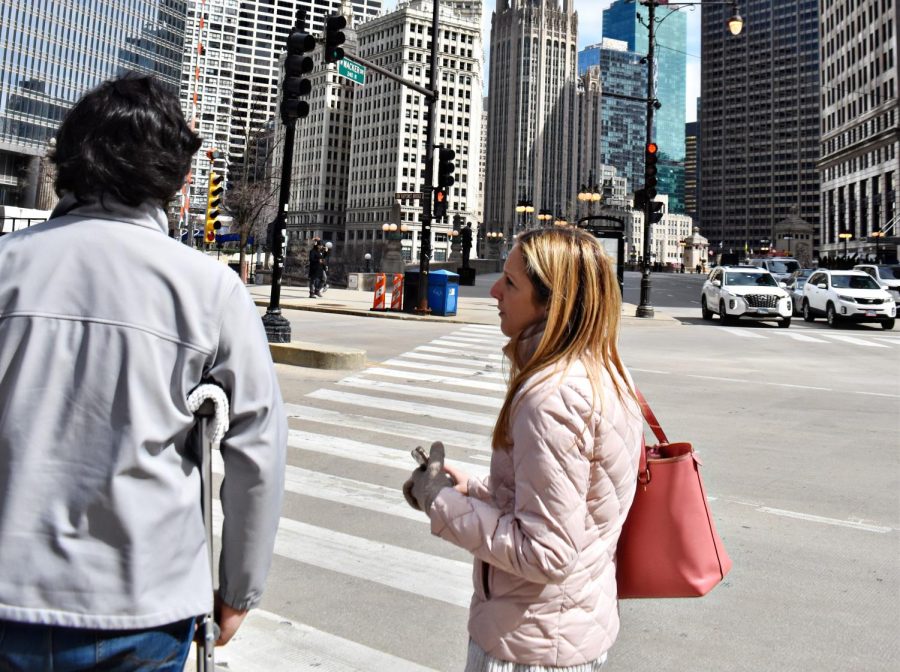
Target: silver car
795,286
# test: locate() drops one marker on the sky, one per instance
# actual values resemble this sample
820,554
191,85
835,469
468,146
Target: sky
590,31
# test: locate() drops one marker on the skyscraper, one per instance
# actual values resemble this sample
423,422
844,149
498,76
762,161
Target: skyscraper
390,124
627,21
231,73
759,121
530,119
860,151
53,51
624,122
691,169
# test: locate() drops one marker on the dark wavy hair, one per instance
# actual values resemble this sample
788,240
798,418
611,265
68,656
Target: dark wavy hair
126,139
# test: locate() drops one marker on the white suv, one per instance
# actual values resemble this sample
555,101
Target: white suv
745,291
886,275
847,295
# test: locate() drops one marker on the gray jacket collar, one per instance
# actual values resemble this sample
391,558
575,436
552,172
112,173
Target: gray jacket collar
146,214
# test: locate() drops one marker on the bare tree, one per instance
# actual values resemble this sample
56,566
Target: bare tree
252,195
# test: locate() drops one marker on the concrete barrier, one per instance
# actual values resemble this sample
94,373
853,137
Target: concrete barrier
316,356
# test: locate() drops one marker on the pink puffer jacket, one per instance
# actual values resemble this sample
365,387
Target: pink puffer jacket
543,525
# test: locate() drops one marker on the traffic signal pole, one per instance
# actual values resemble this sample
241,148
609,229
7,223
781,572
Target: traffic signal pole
278,328
645,309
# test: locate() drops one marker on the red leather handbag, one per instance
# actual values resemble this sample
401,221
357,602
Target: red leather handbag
669,546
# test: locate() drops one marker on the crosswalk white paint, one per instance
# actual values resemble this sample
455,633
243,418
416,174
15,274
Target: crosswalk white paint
420,377
440,368
443,393
457,361
369,453
470,347
407,570
383,424
743,333
387,406
459,352
267,642
854,340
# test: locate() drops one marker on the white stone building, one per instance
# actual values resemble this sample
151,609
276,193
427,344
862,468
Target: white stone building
389,124
667,237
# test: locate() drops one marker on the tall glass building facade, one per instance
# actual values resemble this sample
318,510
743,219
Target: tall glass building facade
623,122
628,22
53,51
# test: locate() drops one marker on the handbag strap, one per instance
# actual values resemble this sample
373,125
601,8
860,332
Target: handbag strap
650,417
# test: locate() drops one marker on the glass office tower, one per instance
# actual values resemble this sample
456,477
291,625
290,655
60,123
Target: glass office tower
623,122
53,51
627,22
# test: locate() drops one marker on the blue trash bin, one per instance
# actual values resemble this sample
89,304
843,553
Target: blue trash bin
443,292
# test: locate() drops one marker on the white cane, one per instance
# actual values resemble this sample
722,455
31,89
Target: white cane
210,405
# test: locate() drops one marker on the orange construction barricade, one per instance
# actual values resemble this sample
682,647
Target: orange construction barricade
397,292
380,281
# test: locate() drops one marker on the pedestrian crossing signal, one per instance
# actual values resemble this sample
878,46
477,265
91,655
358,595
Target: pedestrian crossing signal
440,202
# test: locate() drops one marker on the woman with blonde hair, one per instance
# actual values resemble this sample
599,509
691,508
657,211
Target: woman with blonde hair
544,524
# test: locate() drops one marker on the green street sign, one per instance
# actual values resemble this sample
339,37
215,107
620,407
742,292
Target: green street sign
353,71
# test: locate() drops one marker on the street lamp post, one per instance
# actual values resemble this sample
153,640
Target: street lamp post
845,236
544,216
877,234
590,193
735,26
524,207
494,240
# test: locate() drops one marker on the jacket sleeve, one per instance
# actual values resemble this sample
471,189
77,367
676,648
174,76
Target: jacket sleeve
540,539
253,451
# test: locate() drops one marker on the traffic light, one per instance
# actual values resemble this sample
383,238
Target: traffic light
640,199
213,205
334,37
296,65
445,167
440,202
656,211
650,157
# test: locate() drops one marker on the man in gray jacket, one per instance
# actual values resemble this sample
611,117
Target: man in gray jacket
106,326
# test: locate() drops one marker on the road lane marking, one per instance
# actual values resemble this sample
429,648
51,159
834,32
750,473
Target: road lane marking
267,642
854,340
879,394
370,453
431,378
443,369
741,332
826,521
802,337
408,407
418,391
381,425
414,572
662,373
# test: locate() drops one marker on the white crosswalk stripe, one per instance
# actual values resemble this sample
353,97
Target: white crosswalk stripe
349,444
819,336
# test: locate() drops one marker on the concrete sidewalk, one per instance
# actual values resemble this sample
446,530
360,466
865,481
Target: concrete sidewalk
470,310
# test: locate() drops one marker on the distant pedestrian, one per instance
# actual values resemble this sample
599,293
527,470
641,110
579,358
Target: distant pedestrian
316,269
543,526
103,556
325,248
699,268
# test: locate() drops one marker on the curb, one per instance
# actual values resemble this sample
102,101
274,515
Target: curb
315,356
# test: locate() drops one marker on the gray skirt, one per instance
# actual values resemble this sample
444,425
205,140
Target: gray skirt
479,661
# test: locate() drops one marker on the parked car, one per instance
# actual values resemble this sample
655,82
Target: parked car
847,295
781,267
745,291
886,275
795,286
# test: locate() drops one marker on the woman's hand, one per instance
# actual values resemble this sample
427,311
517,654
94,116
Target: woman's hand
460,479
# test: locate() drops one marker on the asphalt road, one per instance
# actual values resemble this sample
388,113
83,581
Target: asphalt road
797,430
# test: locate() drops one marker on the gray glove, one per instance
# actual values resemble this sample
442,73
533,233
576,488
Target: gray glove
427,481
